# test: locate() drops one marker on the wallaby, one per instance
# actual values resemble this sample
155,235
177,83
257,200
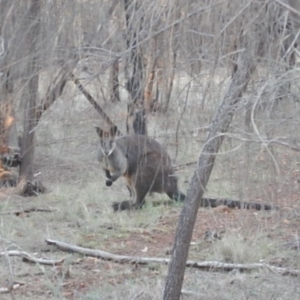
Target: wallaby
147,168
143,162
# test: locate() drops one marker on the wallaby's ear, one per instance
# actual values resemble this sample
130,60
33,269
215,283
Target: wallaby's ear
99,131
113,131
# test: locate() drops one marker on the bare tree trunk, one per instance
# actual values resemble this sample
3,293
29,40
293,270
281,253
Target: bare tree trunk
283,29
149,102
171,67
8,136
148,92
134,83
170,81
219,125
114,82
31,89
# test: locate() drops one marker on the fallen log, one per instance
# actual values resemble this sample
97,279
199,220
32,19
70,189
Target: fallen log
204,265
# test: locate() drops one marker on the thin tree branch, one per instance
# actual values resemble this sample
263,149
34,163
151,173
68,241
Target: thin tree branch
54,91
29,258
92,101
265,141
26,211
290,8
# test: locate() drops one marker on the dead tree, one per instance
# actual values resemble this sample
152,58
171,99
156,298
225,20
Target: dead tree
219,125
170,59
8,137
149,100
114,82
30,94
134,83
29,70
161,61
282,29
9,150
251,46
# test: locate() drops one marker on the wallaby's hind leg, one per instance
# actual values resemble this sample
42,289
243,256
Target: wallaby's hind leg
137,204
172,190
140,191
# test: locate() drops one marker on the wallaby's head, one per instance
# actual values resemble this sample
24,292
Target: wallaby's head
107,140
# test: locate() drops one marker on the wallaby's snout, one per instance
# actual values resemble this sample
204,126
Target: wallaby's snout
107,141
108,147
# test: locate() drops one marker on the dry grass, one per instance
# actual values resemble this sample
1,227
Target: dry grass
65,155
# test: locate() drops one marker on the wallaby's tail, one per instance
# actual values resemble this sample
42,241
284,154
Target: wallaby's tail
208,202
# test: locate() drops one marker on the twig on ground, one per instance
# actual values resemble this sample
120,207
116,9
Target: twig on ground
29,258
26,211
138,295
189,293
11,276
205,265
5,290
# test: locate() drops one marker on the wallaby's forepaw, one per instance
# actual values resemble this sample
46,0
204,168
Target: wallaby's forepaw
124,205
108,182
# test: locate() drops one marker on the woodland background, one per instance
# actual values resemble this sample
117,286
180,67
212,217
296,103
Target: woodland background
167,69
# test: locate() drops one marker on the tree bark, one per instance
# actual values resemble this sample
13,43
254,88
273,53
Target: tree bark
151,77
219,125
135,81
8,133
31,89
114,82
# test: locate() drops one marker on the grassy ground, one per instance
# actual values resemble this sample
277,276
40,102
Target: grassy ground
82,214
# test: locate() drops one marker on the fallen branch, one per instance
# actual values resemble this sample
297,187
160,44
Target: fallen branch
205,265
189,293
265,141
26,211
29,258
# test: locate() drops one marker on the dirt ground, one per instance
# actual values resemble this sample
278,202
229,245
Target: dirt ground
82,215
